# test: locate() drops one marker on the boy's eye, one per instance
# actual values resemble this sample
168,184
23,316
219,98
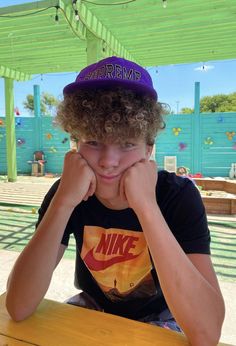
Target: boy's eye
127,145
92,143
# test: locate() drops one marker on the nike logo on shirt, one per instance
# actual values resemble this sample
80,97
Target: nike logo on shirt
96,265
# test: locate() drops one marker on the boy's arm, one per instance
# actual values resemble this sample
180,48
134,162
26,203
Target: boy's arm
32,272
188,282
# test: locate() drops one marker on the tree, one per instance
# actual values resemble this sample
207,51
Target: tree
218,103
47,103
215,103
187,110
50,102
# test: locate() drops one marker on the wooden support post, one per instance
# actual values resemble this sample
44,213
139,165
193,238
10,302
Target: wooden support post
10,130
38,120
196,136
94,48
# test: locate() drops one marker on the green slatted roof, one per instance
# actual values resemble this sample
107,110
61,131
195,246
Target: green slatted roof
142,30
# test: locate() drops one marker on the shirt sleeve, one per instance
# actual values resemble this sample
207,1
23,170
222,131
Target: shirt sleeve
186,217
43,208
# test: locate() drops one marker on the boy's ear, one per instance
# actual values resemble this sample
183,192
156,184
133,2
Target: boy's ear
78,145
149,150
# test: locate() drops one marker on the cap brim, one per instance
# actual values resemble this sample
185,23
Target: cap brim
109,84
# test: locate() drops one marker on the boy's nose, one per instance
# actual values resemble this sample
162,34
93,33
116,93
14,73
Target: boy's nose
109,157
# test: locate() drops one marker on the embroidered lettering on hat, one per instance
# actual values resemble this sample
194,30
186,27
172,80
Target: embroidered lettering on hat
113,71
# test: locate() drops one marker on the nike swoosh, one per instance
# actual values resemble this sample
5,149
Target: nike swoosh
96,265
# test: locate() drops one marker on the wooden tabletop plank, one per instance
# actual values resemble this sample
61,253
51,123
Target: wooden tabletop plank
59,324
8,341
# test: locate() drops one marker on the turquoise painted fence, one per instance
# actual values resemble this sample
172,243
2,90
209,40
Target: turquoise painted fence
35,133
205,143
210,150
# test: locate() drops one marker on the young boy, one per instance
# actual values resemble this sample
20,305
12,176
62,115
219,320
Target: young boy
141,236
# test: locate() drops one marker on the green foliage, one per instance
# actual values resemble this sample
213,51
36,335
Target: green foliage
216,103
187,110
47,103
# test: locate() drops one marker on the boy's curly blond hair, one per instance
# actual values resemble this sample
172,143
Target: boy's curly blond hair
115,115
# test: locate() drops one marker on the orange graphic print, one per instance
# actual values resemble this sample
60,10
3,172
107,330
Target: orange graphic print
119,261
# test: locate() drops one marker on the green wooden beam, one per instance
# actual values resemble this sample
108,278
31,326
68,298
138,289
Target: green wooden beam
94,48
95,26
89,22
10,130
13,74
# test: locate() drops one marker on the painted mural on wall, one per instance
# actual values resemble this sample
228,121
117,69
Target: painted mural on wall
34,134
214,143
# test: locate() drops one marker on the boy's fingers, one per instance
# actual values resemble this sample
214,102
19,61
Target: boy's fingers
122,190
91,190
92,187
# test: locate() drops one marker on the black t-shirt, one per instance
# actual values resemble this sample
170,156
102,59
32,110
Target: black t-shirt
113,263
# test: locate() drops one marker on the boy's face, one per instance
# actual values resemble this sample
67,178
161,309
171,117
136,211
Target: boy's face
110,160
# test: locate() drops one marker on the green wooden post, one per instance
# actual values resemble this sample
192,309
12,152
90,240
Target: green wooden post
37,112
196,136
38,120
94,48
10,130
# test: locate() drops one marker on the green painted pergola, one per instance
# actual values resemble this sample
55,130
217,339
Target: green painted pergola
51,36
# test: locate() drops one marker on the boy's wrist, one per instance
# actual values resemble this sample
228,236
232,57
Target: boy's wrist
63,202
146,210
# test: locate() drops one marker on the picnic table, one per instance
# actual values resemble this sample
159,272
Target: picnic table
56,323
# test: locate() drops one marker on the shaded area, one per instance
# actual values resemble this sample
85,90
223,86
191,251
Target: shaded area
228,224
17,224
223,249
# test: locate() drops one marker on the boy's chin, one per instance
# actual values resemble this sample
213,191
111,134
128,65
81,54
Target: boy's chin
107,194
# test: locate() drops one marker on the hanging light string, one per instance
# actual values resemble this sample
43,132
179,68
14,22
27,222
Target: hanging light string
75,10
44,75
57,7
56,15
27,14
164,3
69,23
113,4
74,2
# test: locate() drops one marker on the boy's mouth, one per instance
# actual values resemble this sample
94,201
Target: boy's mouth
108,178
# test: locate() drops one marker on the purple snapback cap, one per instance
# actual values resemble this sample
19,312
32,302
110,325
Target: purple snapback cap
113,72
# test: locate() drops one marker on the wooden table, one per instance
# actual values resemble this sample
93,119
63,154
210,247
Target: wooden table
8,341
61,324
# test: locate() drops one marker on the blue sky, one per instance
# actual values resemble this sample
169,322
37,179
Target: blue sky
174,83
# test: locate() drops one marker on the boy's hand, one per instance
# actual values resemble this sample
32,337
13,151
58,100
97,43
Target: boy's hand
138,185
78,181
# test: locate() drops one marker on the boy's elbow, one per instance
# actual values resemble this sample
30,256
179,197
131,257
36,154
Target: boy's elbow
206,337
18,312
205,340
16,316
